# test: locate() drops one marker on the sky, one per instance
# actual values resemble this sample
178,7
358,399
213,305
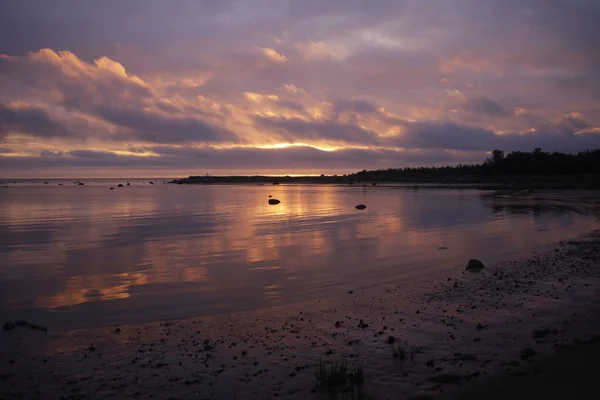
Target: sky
176,88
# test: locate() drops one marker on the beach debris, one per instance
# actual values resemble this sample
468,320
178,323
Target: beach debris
274,201
120,185
442,248
361,207
474,265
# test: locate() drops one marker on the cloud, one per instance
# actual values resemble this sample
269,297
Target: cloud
241,159
487,107
456,77
298,130
152,127
273,55
564,136
356,106
29,120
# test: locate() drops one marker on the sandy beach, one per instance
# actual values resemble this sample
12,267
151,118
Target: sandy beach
445,336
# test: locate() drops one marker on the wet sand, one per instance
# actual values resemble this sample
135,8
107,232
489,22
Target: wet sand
450,334
571,373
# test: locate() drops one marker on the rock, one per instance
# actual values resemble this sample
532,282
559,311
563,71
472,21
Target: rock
128,184
362,324
474,265
8,326
112,188
81,183
391,340
361,207
152,183
274,201
120,185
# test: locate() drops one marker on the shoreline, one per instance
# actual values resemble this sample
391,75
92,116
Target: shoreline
452,332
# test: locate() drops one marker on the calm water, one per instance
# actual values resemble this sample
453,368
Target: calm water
75,256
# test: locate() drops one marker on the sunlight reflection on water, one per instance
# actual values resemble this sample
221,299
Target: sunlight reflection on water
81,255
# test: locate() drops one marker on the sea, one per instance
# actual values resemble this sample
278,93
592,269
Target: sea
75,256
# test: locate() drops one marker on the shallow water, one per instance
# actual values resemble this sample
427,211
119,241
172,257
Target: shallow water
74,256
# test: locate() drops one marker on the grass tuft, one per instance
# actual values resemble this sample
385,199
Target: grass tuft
357,375
399,353
332,374
414,351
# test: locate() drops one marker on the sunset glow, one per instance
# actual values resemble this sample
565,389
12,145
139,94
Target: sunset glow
257,86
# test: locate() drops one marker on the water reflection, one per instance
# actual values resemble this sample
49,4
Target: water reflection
75,257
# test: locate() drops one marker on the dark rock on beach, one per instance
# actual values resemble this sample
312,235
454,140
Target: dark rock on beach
361,207
474,265
274,201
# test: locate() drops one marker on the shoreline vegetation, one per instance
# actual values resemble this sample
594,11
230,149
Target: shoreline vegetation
516,170
458,335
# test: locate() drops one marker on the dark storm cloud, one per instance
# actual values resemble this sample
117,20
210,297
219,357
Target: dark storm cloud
31,121
152,127
296,130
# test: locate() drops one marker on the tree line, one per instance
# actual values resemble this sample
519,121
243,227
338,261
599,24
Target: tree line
536,162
